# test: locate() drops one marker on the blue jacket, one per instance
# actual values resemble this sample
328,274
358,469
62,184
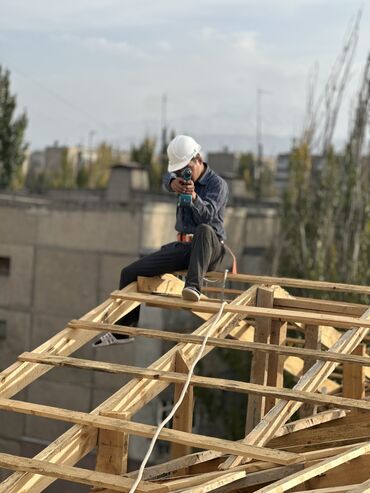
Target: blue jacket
207,208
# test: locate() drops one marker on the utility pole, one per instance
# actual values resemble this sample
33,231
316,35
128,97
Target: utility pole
90,147
258,168
259,154
164,129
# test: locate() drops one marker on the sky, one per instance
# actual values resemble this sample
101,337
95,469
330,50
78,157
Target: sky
88,71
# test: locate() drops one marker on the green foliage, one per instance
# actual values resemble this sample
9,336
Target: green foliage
12,131
144,154
100,169
247,164
65,176
82,178
324,219
264,186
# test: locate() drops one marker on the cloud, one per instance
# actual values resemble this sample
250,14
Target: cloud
246,41
107,45
164,45
102,44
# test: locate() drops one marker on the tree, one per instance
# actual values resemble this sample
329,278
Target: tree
144,154
100,169
325,220
12,132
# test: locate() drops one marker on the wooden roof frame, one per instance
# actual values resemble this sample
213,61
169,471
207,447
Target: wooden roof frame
231,466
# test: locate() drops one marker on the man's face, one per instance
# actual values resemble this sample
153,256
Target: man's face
197,168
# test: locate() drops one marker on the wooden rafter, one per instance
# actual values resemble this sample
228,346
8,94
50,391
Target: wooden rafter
108,427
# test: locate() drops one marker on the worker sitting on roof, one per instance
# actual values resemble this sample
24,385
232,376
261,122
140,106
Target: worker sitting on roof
199,223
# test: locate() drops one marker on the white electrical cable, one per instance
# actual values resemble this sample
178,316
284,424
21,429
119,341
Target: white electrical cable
181,398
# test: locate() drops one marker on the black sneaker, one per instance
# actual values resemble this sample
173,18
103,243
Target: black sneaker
110,339
190,294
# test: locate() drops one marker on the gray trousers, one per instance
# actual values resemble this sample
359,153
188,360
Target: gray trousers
198,256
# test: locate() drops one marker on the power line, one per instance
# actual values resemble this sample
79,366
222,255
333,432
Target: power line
62,99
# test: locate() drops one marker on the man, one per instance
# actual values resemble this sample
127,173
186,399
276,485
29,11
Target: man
200,227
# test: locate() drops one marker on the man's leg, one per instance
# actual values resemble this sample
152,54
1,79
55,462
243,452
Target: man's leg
206,252
170,258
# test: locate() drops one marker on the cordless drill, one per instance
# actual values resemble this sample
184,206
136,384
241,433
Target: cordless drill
184,199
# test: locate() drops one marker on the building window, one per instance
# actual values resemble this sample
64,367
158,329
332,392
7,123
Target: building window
2,329
4,266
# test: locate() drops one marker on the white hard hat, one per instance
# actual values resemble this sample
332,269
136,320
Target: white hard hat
181,151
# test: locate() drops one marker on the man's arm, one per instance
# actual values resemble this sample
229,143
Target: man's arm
166,181
204,210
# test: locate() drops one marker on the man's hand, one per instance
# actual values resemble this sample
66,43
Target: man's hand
179,185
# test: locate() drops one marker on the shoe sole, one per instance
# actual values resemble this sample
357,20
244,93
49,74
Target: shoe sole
190,296
118,343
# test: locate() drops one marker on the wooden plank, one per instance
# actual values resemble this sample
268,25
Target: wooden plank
304,423
354,472
112,450
335,489
256,403
183,418
246,345
310,381
344,431
109,421
75,474
213,484
354,377
293,283
275,373
164,284
312,341
362,488
131,397
352,309
210,307
315,470
176,464
260,477
16,377
206,382
135,395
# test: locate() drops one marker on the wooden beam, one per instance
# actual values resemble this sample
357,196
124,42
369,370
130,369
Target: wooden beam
206,382
315,470
317,419
17,376
310,381
293,283
362,488
183,418
253,479
75,474
130,398
275,372
354,472
112,450
342,430
245,345
334,489
247,311
256,403
109,421
312,341
354,377
318,305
